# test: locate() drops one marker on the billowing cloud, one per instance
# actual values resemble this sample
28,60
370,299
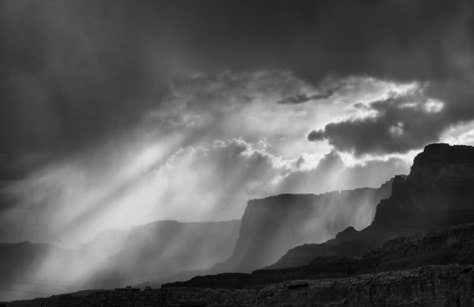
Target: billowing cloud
395,125
75,81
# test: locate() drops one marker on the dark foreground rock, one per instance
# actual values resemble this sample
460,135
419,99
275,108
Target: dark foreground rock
450,285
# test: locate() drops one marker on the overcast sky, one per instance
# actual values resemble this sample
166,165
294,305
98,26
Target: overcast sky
117,113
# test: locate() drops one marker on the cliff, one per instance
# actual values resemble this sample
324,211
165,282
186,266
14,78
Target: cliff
272,225
436,194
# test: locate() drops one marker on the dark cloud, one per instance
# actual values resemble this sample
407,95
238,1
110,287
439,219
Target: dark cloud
75,73
72,74
399,124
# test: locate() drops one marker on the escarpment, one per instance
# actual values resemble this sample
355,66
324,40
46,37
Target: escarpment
272,225
436,194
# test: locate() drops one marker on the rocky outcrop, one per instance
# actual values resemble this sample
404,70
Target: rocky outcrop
272,225
444,162
436,194
449,285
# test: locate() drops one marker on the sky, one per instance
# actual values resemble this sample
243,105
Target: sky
119,113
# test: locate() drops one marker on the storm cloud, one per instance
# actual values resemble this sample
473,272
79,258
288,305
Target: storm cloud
93,88
398,124
76,72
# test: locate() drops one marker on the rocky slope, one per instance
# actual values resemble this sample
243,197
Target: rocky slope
272,225
436,194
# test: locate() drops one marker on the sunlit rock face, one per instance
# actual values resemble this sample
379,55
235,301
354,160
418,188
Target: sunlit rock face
436,194
272,225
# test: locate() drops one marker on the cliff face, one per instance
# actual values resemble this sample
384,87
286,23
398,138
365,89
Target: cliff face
436,194
272,225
